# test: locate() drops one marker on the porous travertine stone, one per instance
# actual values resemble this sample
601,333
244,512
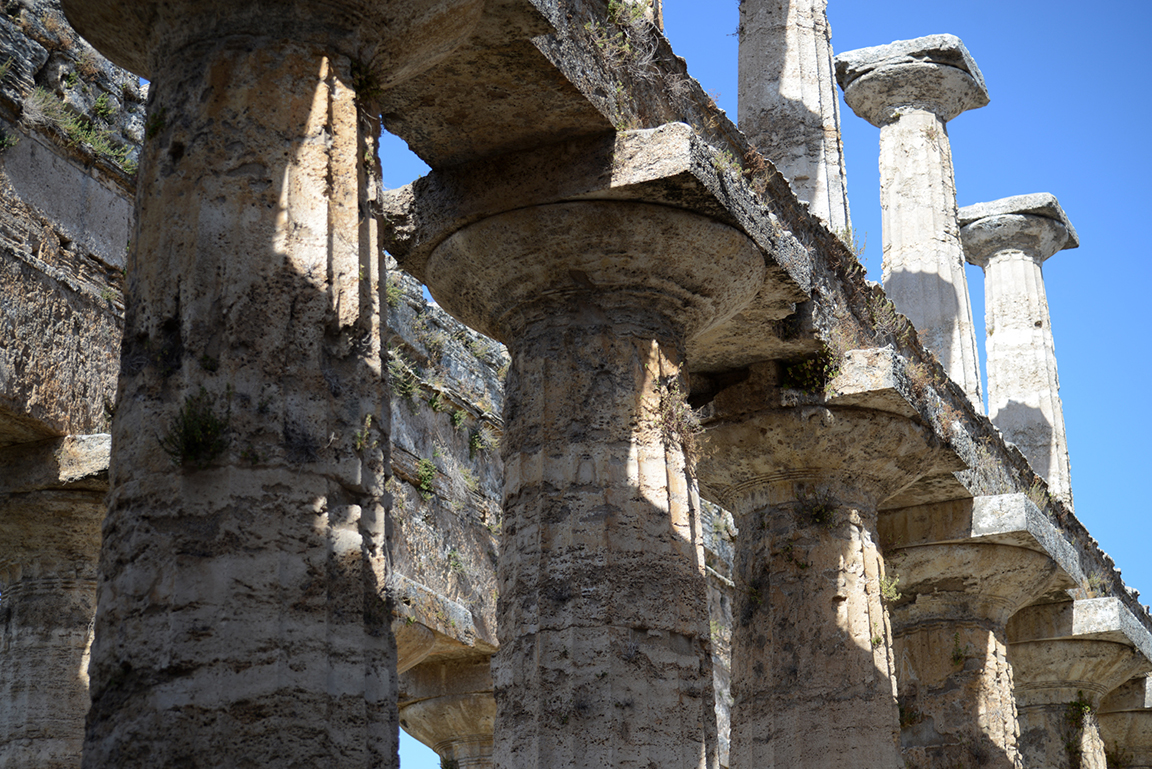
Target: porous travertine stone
813,679
1066,657
910,90
789,108
604,657
964,568
51,506
449,706
241,609
1010,239
1125,718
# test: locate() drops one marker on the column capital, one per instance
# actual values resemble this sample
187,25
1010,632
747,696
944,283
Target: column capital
934,73
1034,224
512,268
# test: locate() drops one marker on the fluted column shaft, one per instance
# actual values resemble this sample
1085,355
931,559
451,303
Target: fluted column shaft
49,544
242,612
1011,239
788,103
910,90
923,258
604,658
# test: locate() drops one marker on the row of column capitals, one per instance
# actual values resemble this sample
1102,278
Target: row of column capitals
1033,224
934,73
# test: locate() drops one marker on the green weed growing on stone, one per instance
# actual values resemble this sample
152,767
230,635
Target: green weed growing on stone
888,587
458,417
393,292
1072,728
425,477
678,423
104,108
402,380
198,435
6,67
959,653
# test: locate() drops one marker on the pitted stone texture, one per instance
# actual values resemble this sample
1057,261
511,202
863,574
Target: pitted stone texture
1125,718
1066,658
448,705
813,673
242,615
788,103
955,682
49,544
934,73
1011,239
595,300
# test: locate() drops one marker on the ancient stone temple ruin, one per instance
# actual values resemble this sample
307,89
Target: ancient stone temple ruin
658,480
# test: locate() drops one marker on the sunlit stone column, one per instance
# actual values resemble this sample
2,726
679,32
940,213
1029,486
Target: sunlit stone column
813,679
241,607
1125,718
51,506
1066,658
964,567
604,657
1010,239
449,707
910,90
788,103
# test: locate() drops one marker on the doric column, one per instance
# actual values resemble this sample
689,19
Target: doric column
241,608
813,680
910,90
964,568
1125,718
51,506
604,657
448,705
1066,657
788,104
1010,239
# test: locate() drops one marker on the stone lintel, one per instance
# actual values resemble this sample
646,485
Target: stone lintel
446,618
1085,619
934,72
1133,695
877,379
71,462
670,166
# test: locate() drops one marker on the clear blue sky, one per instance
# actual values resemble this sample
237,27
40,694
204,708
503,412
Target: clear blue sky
1069,115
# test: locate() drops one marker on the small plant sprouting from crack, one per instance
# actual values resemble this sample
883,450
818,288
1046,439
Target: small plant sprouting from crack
402,380
819,508
454,562
198,435
425,478
888,587
362,439
458,417
678,423
959,653
1076,713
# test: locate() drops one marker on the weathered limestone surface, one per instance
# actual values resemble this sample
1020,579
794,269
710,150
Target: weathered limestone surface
1011,239
1125,718
51,506
964,568
595,666
813,675
910,90
1067,657
788,103
260,561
